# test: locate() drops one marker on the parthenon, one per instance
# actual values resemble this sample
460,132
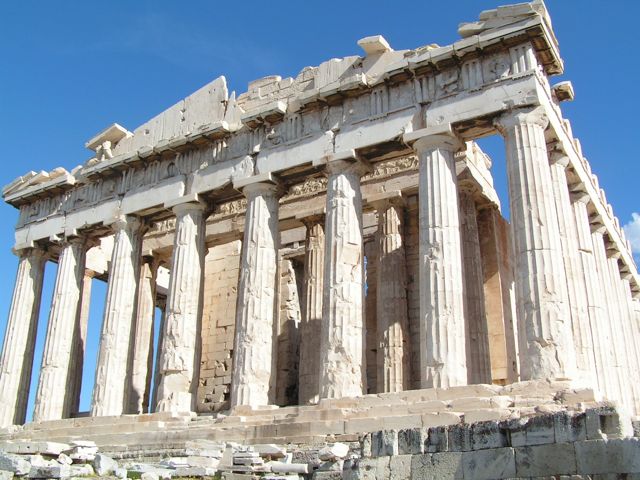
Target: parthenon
331,236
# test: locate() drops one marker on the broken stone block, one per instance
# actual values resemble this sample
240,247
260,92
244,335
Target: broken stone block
14,463
6,475
365,445
570,427
540,430
191,472
411,440
84,470
333,452
437,440
607,422
149,476
487,435
104,465
270,450
50,471
281,467
384,443
26,447
63,458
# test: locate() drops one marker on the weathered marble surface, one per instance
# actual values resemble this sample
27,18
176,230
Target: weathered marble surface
253,345
20,338
180,341
55,386
342,332
442,324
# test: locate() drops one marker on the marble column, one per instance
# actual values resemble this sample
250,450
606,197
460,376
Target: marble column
630,380
310,327
443,360
596,307
342,361
634,336
253,357
16,362
142,359
55,386
119,315
180,342
391,300
80,347
577,296
477,331
611,327
544,324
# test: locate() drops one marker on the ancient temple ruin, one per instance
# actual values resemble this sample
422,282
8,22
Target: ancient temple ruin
329,238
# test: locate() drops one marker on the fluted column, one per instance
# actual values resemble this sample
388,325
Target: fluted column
544,324
578,306
119,314
342,367
391,299
253,344
612,328
76,366
443,361
626,340
180,342
16,362
596,306
142,358
477,331
633,341
310,327
56,383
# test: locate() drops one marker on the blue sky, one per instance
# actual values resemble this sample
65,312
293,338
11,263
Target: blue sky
70,69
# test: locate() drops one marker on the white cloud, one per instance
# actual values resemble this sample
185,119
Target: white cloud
632,231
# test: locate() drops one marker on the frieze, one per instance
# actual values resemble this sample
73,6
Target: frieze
373,105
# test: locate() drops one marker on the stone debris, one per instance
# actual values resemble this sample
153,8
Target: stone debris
201,458
104,465
337,451
578,444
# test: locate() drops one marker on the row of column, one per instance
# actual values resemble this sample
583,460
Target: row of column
554,290
123,372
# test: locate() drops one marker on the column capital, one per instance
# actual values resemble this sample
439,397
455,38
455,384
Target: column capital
313,219
578,193
128,222
188,207
521,116
430,138
596,225
35,251
347,161
78,239
260,184
558,157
